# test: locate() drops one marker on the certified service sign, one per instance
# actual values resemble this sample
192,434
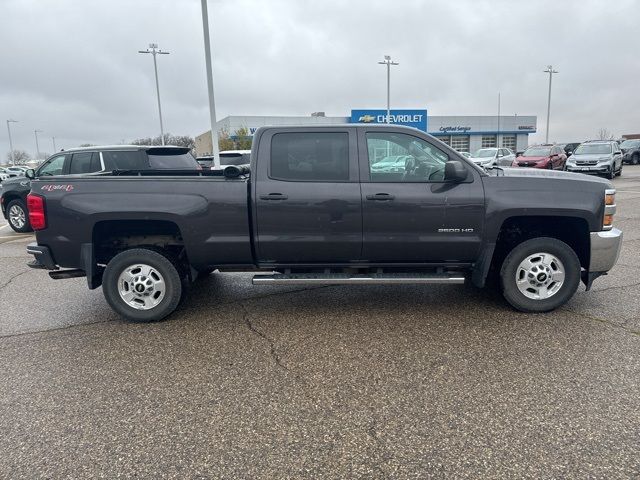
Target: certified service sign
410,118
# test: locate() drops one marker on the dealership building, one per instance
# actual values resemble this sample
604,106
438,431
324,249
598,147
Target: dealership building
463,133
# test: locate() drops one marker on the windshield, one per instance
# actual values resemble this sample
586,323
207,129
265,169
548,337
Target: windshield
537,152
593,148
235,158
485,153
630,144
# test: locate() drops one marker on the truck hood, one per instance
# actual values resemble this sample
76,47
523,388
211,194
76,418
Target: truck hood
24,181
535,174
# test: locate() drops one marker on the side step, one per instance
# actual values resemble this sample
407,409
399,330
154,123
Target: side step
345,279
63,274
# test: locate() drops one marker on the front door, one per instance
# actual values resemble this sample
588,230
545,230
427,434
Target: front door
411,215
307,196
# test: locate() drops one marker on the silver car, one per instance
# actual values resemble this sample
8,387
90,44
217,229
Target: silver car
599,157
493,157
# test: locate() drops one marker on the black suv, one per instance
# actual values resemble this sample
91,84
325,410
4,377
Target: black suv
13,196
630,151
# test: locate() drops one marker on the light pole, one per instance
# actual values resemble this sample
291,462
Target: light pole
154,50
388,63
13,157
53,139
36,132
550,71
498,135
212,103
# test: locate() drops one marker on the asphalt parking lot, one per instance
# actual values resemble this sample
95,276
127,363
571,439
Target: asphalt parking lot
341,382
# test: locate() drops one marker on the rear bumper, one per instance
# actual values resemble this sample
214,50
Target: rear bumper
42,257
605,249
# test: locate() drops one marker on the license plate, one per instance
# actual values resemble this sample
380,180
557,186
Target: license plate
585,169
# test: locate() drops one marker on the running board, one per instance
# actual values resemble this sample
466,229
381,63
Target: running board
338,279
63,274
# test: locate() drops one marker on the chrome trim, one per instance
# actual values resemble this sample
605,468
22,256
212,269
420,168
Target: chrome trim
357,280
101,162
605,249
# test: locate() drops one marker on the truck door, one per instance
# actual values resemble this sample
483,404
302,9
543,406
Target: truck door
307,196
410,215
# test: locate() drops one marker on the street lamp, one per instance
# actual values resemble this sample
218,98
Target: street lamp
154,50
13,157
388,63
212,103
36,132
53,139
550,71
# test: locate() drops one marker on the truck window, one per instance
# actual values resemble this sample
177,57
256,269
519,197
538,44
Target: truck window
122,160
52,167
169,158
85,162
422,162
310,156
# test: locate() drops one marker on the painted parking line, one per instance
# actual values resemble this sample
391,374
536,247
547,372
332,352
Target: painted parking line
15,237
4,226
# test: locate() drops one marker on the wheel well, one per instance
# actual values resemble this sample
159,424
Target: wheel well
10,197
573,231
114,236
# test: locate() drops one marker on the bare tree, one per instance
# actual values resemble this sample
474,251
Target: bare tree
179,140
604,134
20,157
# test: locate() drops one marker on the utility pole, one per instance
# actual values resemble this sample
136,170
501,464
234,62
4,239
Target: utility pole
387,61
54,144
154,50
215,150
550,71
498,135
36,132
13,157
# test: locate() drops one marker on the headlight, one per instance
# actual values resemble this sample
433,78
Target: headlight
604,159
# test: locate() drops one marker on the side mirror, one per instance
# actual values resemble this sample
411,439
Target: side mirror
519,154
30,173
454,171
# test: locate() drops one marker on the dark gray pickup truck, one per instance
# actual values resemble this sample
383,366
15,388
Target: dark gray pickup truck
353,204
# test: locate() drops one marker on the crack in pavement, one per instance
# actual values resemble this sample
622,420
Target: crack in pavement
615,286
13,277
272,346
620,326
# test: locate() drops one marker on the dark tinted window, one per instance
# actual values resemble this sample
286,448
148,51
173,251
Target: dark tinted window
85,162
122,160
205,162
311,156
172,159
235,158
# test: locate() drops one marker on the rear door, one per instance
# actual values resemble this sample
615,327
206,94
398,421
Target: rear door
307,197
414,216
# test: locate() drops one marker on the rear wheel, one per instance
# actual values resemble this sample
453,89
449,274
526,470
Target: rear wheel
142,285
18,216
540,275
635,159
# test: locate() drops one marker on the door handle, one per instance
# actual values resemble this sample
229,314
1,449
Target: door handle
274,196
381,197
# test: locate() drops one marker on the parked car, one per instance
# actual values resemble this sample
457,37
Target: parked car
313,211
492,157
551,157
630,151
13,199
227,157
15,171
569,148
3,175
465,154
600,157
393,163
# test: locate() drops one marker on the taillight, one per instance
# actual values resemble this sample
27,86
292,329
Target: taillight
37,217
609,208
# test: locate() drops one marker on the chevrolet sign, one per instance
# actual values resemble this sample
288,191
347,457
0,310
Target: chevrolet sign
410,118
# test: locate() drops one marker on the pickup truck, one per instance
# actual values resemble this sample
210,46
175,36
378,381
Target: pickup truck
311,208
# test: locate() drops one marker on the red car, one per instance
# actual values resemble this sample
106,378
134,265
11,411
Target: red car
551,157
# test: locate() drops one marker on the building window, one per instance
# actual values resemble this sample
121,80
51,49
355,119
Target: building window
509,141
445,139
460,143
488,141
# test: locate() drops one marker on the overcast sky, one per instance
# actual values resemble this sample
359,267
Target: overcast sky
71,67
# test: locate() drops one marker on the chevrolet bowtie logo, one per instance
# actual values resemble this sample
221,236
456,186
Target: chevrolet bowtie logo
367,118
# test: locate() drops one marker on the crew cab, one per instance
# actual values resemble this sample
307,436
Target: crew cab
311,209
75,161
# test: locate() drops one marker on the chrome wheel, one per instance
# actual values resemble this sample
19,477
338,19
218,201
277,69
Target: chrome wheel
540,276
141,286
17,216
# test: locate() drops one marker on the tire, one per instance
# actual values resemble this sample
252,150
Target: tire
635,159
18,216
122,275
619,170
564,259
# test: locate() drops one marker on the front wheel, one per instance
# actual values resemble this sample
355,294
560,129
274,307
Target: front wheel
540,275
142,285
18,216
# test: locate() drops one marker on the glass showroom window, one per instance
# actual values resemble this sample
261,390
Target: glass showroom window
460,143
509,141
489,141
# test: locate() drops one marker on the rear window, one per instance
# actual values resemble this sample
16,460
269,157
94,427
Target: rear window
122,160
85,162
171,159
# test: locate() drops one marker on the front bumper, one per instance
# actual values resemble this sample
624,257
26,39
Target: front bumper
605,249
42,257
593,169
